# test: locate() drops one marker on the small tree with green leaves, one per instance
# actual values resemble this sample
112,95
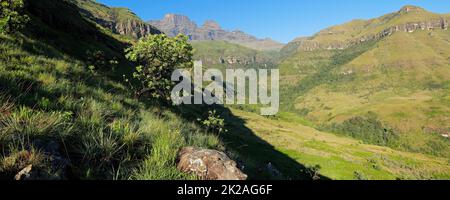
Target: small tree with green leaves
214,123
12,17
157,56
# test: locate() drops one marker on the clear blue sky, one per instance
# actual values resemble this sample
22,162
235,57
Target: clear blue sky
282,20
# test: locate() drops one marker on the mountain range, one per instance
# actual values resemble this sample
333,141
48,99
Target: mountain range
173,25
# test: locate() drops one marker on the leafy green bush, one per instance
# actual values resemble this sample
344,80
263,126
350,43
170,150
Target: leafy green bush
157,56
214,123
11,16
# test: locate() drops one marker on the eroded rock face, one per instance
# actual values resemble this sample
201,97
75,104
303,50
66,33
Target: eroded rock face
209,164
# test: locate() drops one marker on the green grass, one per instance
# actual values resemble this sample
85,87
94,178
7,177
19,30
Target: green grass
70,122
402,78
211,53
339,157
96,122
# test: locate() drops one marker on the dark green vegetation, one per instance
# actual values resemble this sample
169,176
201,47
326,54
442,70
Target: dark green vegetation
157,57
12,17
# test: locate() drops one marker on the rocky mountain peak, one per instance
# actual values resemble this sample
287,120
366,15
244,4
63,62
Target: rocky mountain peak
176,19
173,25
410,8
211,25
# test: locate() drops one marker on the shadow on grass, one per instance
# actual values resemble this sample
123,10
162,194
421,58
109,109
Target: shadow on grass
258,159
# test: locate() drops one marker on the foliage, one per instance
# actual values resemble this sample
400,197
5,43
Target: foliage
214,123
359,176
12,18
157,57
368,129
99,60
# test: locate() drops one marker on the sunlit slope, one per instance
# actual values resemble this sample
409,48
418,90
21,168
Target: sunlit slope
341,157
402,79
401,70
223,52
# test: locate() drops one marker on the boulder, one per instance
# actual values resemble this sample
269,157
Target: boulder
26,173
209,164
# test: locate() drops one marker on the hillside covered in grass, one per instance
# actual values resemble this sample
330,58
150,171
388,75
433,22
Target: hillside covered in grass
384,81
223,54
70,108
67,113
322,155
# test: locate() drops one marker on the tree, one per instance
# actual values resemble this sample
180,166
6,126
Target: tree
157,57
12,17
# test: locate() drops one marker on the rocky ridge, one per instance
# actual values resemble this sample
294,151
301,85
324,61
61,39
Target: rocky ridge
119,20
314,42
173,24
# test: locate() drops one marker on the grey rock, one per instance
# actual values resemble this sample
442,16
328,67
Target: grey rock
209,164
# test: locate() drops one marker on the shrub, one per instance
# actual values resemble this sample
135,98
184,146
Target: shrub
214,123
314,171
359,176
368,129
12,18
157,56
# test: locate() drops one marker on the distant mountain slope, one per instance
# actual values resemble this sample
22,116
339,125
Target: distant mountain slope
173,25
395,68
118,20
224,53
408,19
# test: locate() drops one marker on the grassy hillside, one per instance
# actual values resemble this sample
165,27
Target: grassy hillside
66,110
70,121
222,54
331,156
401,81
262,45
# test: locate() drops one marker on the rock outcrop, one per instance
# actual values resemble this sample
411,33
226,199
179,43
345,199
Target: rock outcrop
119,20
209,164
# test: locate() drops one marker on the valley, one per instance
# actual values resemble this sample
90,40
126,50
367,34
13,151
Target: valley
364,100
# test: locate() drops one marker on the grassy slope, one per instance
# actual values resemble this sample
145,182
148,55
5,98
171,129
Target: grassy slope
72,123
402,78
210,52
359,28
338,157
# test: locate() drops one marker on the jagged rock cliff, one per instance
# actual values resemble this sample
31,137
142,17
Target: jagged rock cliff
118,20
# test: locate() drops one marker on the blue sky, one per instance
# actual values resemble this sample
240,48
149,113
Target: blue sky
282,20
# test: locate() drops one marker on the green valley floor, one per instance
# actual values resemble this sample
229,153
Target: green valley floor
335,157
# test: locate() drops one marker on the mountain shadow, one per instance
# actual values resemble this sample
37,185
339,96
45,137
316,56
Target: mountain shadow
255,156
